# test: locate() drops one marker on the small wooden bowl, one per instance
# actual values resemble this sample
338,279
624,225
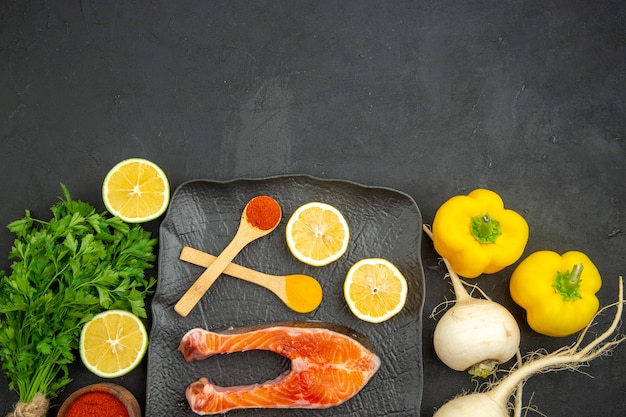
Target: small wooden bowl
118,391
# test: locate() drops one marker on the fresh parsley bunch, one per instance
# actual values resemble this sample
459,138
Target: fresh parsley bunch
66,270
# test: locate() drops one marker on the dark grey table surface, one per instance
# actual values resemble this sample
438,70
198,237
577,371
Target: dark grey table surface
434,99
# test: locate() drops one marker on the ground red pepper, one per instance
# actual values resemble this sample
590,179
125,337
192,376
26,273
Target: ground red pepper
263,212
97,404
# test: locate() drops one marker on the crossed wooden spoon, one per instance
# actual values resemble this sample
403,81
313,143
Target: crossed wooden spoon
260,216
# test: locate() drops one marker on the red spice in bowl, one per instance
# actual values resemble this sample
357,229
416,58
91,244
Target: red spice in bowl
101,400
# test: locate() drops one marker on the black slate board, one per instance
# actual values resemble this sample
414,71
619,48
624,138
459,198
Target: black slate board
205,215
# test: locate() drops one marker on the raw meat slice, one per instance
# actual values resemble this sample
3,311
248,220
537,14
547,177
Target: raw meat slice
329,365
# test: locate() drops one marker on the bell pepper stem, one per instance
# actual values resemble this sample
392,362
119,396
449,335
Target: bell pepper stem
485,229
574,277
567,284
486,226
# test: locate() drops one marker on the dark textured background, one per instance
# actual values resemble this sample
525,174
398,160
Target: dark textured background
434,99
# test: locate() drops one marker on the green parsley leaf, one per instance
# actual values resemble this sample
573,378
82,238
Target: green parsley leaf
64,271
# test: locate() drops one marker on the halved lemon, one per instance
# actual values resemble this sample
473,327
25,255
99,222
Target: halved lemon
317,234
113,343
136,190
375,290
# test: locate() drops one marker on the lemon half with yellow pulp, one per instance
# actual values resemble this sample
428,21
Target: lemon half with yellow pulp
113,343
375,290
317,234
136,190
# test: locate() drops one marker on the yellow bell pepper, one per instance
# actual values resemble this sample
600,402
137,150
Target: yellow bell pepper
477,234
557,291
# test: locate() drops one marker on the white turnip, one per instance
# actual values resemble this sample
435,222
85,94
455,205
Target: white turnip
475,334
494,402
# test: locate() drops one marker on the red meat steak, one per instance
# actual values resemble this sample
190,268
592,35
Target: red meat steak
329,365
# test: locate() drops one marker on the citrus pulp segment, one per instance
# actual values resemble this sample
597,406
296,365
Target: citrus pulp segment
375,290
113,343
136,190
317,234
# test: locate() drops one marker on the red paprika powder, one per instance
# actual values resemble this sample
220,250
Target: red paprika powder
97,404
263,212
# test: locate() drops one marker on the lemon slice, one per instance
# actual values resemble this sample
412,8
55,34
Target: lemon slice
113,343
375,290
317,234
136,190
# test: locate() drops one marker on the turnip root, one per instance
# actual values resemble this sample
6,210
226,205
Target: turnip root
494,402
475,334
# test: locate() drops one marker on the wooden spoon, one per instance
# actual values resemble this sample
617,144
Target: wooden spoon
260,216
301,293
